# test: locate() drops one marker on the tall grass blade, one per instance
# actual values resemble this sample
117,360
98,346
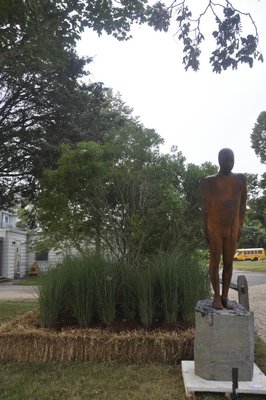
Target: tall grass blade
127,296
166,266
107,283
51,296
194,283
145,294
80,273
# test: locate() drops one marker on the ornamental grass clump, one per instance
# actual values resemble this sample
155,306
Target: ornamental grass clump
90,289
194,283
127,306
80,273
52,296
144,287
166,268
107,285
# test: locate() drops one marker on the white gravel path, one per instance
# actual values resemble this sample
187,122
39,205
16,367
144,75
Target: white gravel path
257,304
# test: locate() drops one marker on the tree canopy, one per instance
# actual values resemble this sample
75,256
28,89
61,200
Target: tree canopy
120,193
254,230
123,196
258,137
42,101
28,25
231,46
106,184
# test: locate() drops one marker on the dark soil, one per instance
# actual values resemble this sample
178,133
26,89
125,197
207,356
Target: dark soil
123,325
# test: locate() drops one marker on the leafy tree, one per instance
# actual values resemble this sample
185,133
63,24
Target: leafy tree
232,47
43,104
27,25
148,206
257,200
41,110
120,194
39,94
254,230
258,137
253,233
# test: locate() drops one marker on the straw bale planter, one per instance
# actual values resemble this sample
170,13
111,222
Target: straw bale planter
21,341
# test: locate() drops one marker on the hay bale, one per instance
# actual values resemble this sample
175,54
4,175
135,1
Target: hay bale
22,341
23,322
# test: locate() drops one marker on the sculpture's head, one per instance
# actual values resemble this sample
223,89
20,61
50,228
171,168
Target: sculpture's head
226,161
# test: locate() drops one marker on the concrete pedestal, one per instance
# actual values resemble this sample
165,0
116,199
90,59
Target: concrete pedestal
224,339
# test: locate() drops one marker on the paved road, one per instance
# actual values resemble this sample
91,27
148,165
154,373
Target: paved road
8,291
253,278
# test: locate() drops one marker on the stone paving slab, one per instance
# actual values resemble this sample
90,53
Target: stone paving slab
194,383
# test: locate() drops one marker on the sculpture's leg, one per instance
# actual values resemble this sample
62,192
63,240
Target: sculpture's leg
228,255
215,256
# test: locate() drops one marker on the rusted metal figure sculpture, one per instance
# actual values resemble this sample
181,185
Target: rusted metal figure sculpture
224,204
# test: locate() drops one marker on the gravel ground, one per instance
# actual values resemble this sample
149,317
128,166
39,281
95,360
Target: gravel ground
257,304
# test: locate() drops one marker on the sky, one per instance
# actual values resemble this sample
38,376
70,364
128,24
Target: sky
199,112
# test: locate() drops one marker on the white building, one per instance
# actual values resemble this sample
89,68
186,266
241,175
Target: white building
15,258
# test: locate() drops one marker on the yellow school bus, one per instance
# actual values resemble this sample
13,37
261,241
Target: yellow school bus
249,254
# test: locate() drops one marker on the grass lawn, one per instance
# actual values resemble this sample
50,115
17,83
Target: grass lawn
256,266
78,381
27,282
90,381
11,309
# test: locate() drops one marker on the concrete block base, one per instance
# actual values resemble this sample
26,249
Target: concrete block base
194,383
224,339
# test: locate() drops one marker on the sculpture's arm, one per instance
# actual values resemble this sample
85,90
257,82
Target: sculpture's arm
205,210
243,200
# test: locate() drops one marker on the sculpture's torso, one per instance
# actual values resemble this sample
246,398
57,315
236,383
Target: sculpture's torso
222,195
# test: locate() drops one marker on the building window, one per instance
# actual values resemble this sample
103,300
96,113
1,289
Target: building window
42,255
